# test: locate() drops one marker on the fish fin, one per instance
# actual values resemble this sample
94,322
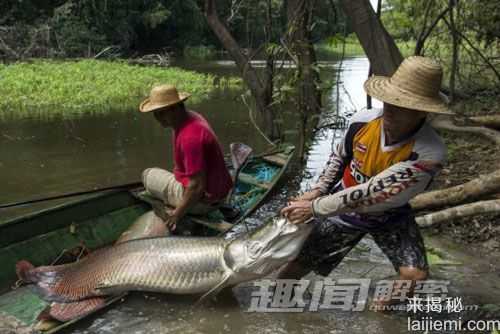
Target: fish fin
215,290
50,282
68,311
44,278
23,269
44,314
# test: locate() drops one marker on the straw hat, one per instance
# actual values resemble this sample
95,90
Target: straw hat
414,85
161,97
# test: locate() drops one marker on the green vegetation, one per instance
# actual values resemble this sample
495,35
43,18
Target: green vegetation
335,44
437,257
475,24
82,28
89,85
199,52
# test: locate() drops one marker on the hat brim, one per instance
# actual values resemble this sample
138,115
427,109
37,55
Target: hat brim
381,88
147,106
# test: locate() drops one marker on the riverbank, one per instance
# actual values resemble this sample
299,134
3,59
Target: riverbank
66,87
468,157
350,46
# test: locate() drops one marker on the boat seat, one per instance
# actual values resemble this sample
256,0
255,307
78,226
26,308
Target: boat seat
250,179
276,159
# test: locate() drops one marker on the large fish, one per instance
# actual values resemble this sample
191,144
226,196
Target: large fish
178,265
146,226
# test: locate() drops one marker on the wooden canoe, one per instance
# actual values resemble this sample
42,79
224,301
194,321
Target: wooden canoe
98,220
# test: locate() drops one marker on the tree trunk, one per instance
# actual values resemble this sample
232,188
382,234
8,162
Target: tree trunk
378,45
299,16
299,13
370,70
254,83
453,5
267,94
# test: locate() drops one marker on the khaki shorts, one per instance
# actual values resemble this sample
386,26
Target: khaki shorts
162,185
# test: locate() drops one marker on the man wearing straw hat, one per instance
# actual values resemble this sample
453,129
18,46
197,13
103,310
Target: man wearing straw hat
386,157
200,180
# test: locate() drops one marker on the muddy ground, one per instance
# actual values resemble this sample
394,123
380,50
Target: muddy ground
469,156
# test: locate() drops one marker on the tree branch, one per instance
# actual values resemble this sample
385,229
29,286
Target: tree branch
485,59
230,44
423,36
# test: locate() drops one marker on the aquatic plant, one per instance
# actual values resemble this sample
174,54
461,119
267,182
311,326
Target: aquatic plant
89,86
199,52
334,45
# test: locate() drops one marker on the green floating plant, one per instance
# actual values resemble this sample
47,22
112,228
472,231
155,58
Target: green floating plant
89,86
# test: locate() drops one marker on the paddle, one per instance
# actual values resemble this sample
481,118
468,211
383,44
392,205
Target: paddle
239,156
86,192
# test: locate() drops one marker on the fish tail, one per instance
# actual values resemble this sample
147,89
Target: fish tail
68,311
23,270
50,282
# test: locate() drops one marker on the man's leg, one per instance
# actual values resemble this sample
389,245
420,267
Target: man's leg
162,185
404,246
328,244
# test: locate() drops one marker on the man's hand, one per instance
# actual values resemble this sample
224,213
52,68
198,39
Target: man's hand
307,196
298,212
172,218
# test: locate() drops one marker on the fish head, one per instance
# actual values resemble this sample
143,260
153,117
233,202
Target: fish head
267,248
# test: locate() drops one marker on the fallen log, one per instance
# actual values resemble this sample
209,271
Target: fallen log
445,123
466,210
483,185
489,121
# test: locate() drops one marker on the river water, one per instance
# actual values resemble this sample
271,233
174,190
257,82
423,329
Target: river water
48,156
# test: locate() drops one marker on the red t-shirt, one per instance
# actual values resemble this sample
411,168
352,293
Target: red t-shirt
197,149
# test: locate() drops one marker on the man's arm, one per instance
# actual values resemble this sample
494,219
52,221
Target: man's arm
392,188
333,170
331,174
192,194
340,157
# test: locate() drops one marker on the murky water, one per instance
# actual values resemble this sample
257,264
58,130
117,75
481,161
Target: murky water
46,157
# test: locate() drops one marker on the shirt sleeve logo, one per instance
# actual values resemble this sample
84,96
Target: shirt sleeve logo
356,174
360,147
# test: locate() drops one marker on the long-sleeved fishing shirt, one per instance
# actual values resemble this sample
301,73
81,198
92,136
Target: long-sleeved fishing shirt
366,177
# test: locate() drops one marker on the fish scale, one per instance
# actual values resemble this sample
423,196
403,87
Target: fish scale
182,264
179,265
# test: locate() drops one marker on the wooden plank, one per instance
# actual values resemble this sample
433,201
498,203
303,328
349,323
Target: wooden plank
249,179
275,159
52,219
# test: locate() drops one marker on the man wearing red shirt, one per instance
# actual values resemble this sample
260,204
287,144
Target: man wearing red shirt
200,181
